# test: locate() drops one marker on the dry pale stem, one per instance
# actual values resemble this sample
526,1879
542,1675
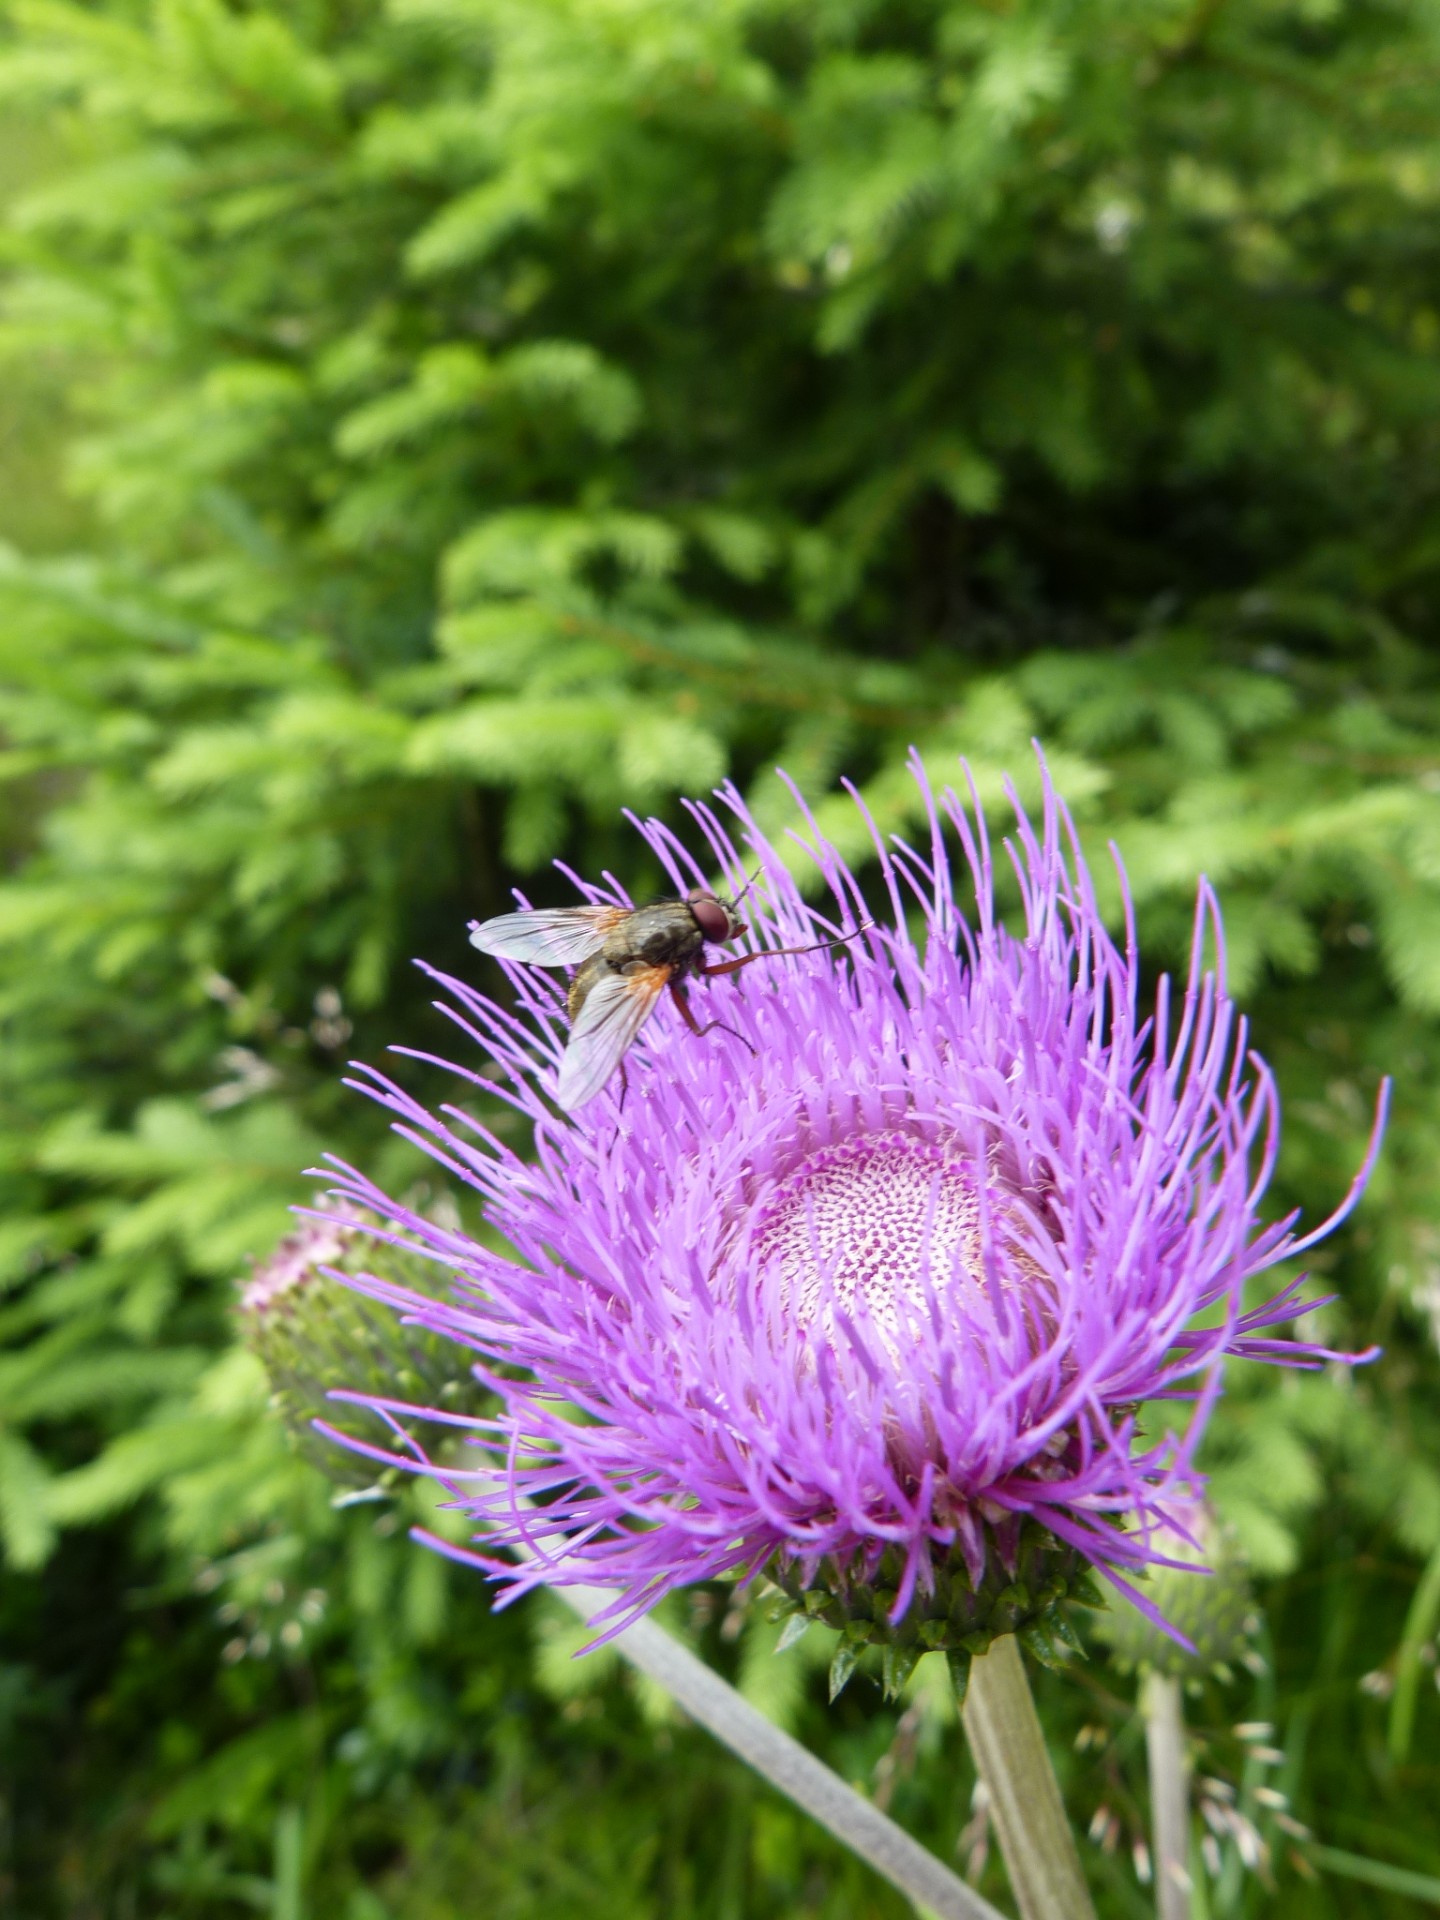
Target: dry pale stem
854,1820
1169,1794
1009,1748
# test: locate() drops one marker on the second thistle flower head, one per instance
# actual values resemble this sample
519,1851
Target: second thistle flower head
872,1305
313,1334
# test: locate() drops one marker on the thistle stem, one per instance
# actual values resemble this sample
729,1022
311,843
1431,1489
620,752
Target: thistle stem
1009,1747
1169,1793
792,1769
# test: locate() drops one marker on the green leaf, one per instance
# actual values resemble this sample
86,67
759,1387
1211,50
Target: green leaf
26,1525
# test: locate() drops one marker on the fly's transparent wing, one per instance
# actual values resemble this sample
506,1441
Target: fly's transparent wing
614,1011
558,937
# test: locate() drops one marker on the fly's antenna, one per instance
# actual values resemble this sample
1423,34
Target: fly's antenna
747,886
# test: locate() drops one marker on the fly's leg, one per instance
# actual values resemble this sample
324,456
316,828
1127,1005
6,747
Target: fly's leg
681,998
774,953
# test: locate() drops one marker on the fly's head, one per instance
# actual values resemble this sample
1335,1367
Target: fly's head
716,918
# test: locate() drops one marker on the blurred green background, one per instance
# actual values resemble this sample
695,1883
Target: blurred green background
426,428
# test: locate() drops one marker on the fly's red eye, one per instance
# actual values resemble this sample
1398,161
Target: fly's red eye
711,918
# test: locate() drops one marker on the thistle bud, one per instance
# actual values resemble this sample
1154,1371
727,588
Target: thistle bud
1212,1610
313,1334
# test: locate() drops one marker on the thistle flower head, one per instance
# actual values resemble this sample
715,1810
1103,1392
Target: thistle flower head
871,1302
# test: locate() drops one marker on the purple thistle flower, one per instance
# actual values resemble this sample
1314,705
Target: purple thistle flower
879,1302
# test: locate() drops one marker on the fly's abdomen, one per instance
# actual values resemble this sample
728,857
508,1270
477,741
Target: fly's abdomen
583,981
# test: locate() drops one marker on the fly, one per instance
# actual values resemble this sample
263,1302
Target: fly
626,958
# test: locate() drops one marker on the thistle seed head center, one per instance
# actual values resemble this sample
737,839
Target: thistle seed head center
874,1227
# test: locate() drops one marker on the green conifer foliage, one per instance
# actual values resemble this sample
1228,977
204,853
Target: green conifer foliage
489,414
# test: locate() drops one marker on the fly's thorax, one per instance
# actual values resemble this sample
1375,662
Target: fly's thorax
664,934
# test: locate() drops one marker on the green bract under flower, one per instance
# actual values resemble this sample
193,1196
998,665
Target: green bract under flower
957,1616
